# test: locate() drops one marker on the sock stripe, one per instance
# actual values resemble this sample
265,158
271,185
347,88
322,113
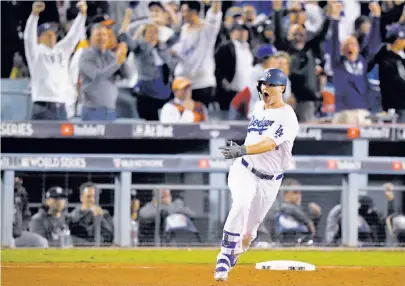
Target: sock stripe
221,269
229,244
224,261
231,233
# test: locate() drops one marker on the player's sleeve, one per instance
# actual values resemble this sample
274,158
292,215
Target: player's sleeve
69,42
213,24
282,130
30,39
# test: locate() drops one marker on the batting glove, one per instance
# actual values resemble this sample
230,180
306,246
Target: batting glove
233,150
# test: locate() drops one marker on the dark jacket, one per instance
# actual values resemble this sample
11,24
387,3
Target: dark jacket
223,36
54,229
225,62
351,88
83,223
392,78
304,83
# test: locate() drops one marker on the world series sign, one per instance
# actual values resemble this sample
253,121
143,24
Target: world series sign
183,164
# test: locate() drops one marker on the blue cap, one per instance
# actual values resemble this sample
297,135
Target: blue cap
45,27
396,30
274,77
265,51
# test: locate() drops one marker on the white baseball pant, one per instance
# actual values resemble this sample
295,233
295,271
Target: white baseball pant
252,199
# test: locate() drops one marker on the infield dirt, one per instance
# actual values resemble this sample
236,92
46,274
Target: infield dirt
126,274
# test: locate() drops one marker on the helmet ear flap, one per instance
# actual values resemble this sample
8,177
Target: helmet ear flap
259,86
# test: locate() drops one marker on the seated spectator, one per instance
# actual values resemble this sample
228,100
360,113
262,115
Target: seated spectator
292,223
89,218
153,64
50,221
370,224
350,69
195,49
97,67
148,212
243,103
234,63
22,215
183,109
395,221
391,63
304,52
48,63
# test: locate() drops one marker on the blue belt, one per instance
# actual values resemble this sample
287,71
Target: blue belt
260,174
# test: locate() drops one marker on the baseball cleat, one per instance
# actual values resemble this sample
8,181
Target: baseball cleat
221,275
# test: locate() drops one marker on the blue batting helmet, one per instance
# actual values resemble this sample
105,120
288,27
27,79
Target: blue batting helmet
274,77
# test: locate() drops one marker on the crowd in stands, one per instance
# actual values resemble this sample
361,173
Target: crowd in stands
184,60
289,221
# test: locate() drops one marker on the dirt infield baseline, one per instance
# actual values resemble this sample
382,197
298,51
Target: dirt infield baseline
114,267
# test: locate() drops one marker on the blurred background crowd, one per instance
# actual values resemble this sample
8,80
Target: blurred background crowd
193,61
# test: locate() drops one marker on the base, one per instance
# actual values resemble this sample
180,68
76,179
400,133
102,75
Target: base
285,265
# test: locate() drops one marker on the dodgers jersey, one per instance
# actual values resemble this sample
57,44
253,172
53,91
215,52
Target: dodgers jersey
280,125
49,67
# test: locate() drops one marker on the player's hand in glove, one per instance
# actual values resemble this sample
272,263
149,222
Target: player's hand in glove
233,150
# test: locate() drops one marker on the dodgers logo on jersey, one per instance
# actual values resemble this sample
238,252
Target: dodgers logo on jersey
279,132
259,126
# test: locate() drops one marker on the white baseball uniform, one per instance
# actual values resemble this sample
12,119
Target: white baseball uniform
253,196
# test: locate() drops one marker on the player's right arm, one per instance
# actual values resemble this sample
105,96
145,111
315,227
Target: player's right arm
30,32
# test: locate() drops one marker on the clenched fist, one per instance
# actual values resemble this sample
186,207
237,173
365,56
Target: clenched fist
336,10
82,7
375,9
37,8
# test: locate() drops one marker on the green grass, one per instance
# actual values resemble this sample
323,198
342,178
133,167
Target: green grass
204,256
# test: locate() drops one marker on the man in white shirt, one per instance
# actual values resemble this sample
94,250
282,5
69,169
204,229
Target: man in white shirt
195,49
48,62
183,109
255,176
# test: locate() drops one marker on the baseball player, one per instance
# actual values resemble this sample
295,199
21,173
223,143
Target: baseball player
255,176
48,63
